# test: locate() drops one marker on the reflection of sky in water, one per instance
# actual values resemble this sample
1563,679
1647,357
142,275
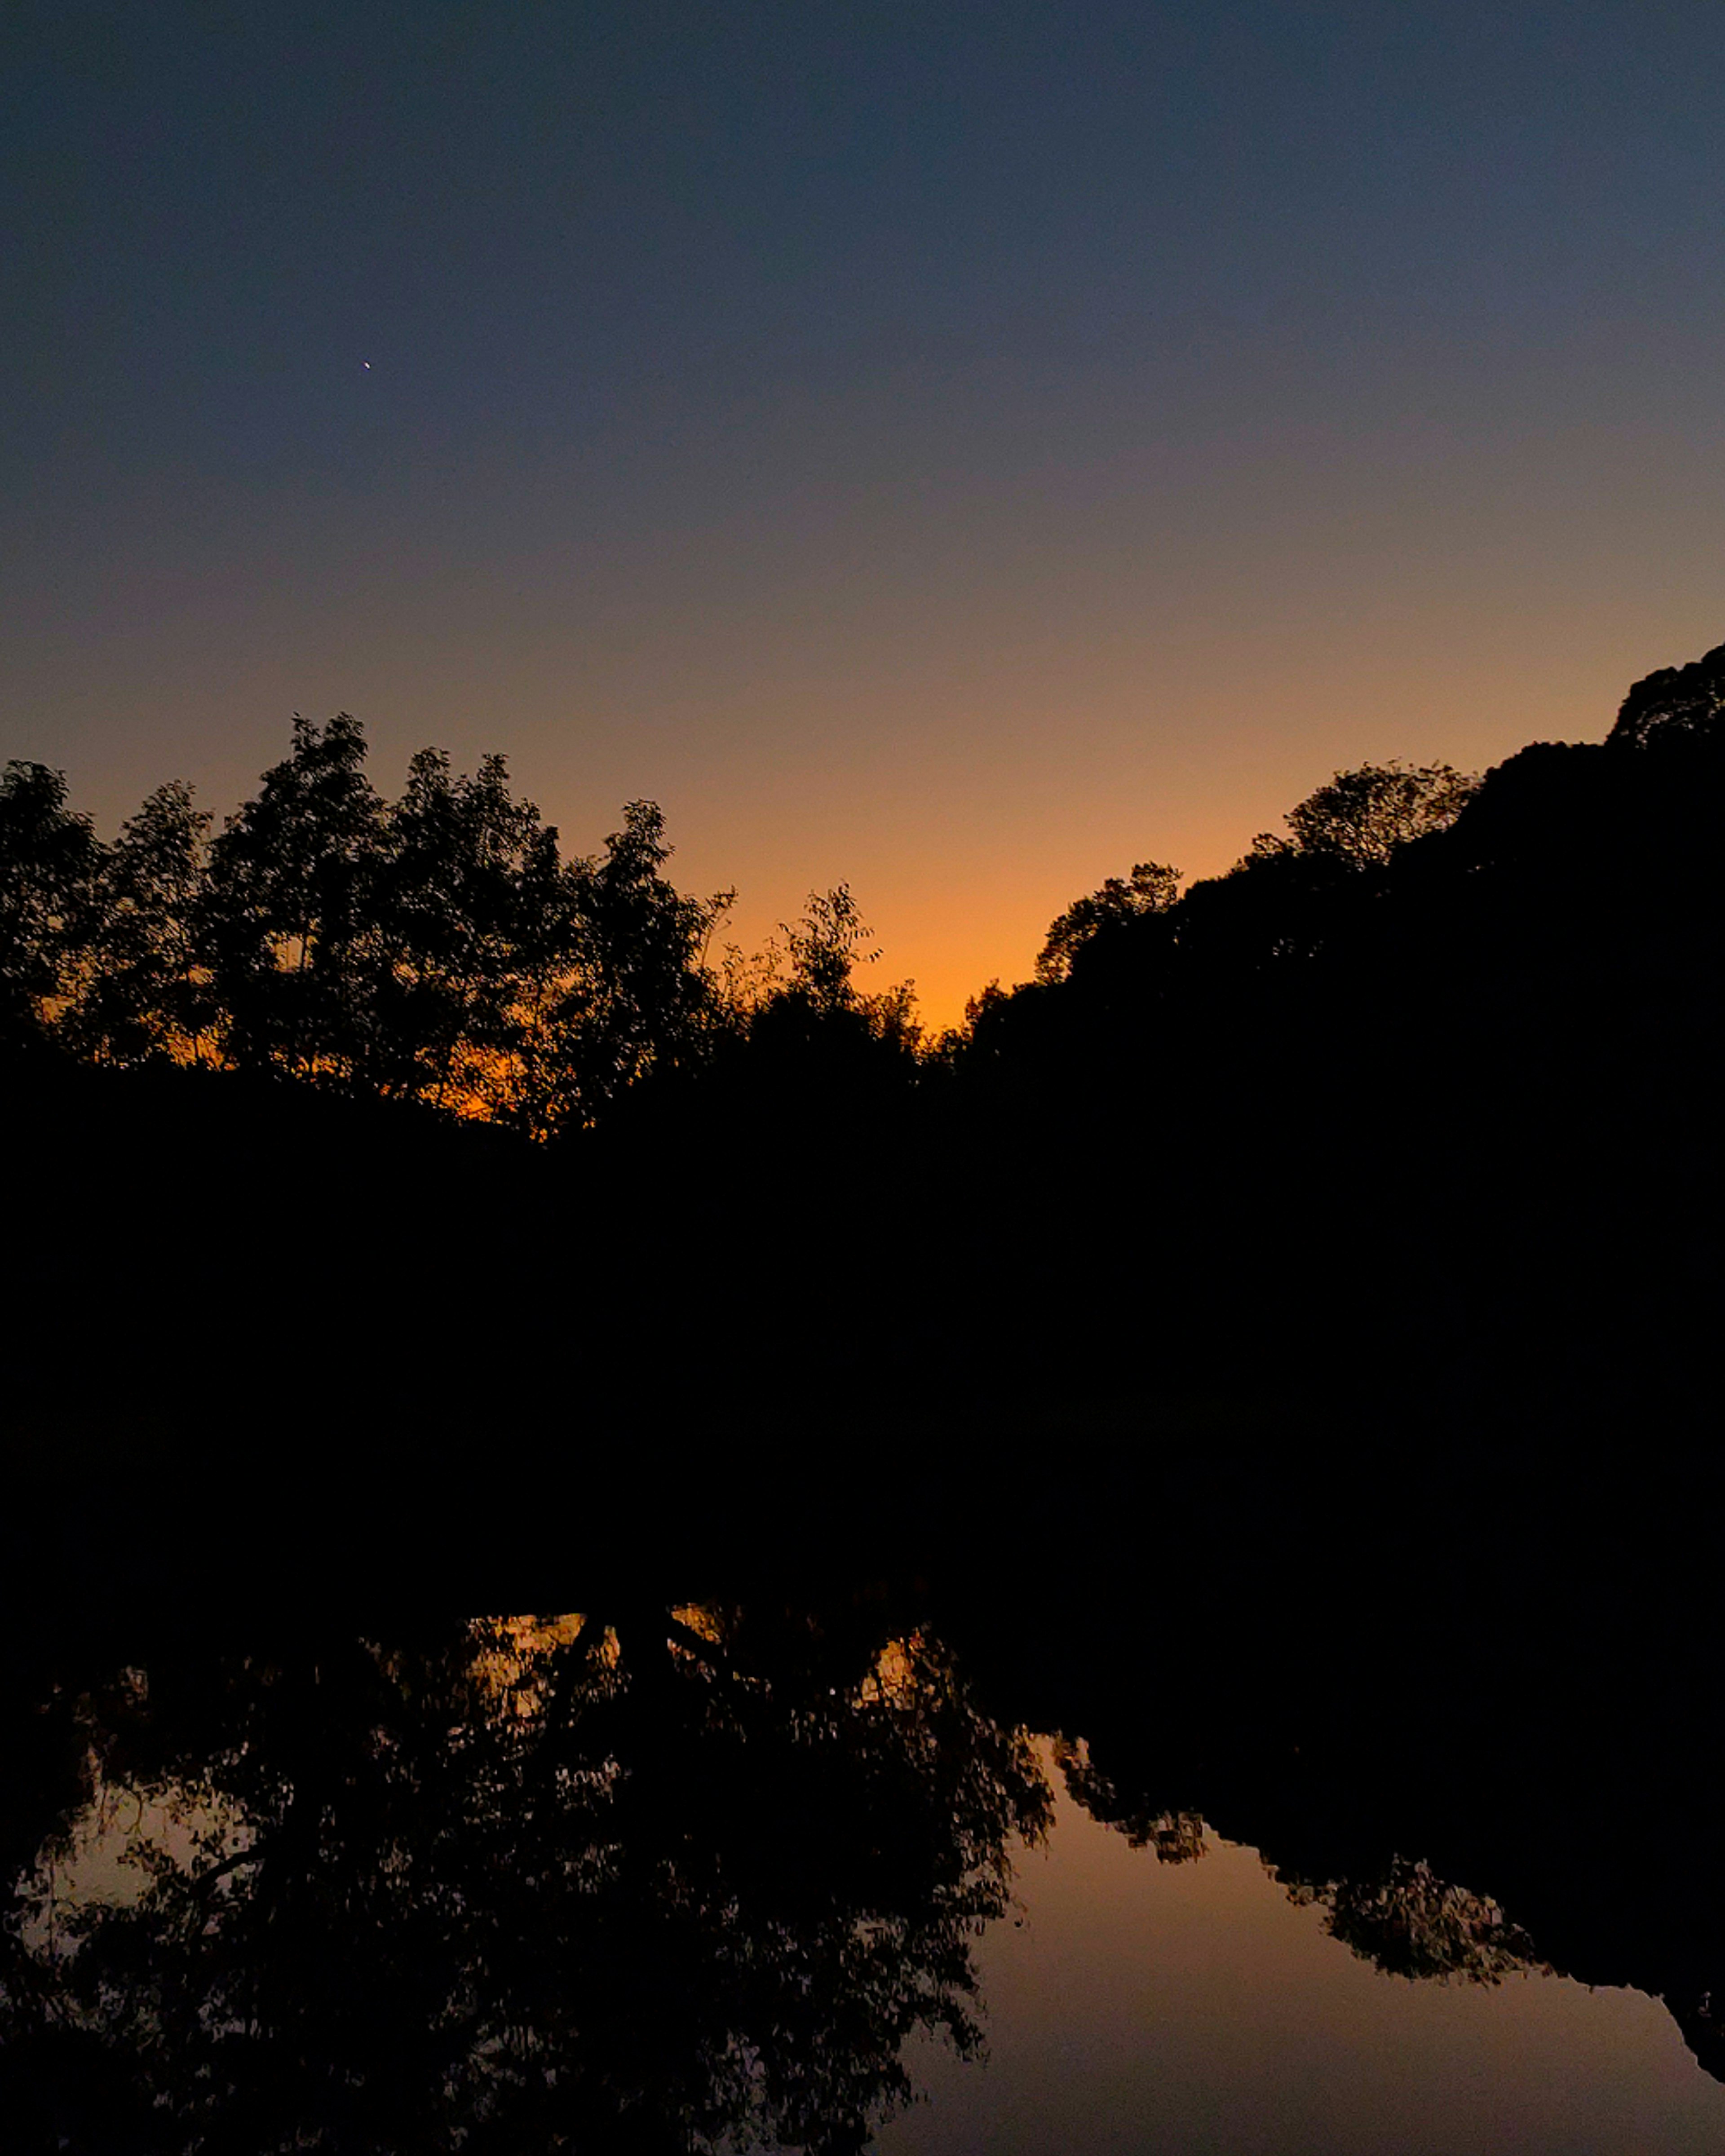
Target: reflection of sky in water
1191,2010
105,1860
1183,2008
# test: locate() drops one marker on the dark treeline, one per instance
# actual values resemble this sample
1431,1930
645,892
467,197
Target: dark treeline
439,949
1276,1348
1386,1163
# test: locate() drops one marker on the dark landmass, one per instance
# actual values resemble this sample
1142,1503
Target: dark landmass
1275,1349
1378,1178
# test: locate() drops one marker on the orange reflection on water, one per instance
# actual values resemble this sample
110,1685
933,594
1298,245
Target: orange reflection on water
1193,2009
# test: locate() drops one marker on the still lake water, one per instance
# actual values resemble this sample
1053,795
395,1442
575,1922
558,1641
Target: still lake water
1143,2009
695,1879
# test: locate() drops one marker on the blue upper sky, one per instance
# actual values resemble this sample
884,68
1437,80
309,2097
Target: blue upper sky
624,386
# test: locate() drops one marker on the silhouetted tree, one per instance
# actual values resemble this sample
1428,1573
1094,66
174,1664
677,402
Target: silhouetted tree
631,992
1672,700
49,859
816,1028
1288,898
144,996
1151,888
826,946
1175,1835
286,917
1408,1921
468,912
1365,816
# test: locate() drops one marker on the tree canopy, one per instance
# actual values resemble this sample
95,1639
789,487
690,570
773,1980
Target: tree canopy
651,1879
443,949
439,948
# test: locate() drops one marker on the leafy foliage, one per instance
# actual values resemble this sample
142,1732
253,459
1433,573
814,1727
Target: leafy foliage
623,988
49,863
439,949
1364,817
652,1879
283,923
1151,888
145,993
1673,700
1410,1923
825,947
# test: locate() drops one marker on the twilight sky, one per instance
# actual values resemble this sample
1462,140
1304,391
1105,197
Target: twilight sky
957,449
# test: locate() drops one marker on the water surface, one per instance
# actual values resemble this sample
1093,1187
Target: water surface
1194,2010
683,1877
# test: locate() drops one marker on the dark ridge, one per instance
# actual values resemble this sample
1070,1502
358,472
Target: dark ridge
1356,1184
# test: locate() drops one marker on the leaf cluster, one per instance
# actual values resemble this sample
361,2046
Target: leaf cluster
651,1878
439,949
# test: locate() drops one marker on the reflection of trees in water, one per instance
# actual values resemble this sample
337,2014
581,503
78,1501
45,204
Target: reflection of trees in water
1408,1921
656,1879
640,1883
1177,1837
1397,1915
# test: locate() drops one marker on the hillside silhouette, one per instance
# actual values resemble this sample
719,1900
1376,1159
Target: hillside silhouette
363,1135
1272,1352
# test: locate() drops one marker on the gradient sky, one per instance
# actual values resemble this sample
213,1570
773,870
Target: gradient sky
956,450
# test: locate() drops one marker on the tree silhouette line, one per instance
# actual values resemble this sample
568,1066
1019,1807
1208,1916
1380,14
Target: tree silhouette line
440,948
1411,1114
443,949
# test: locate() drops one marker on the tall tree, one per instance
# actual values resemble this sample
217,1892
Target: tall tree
1672,700
1365,815
825,946
815,1008
1151,888
468,909
637,994
285,919
49,859
146,998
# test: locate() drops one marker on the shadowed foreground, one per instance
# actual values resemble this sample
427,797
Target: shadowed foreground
668,1873
1275,1351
